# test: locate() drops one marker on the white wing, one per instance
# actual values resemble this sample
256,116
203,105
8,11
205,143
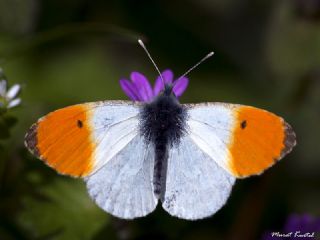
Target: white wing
124,185
196,187
115,124
210,127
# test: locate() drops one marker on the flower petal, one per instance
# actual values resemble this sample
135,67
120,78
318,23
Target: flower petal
142,85
167,77
180,86
14,103
303,223
129,89
158,86
3,87
13,91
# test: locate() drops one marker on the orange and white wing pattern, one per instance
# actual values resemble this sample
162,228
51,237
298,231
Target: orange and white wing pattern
80,139
243,140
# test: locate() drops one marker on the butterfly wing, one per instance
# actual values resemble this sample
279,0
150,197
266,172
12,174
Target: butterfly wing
80,139
101,142
241,139
124,186
196,186
223,142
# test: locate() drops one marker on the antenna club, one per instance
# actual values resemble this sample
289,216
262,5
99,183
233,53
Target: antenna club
210,54
140,42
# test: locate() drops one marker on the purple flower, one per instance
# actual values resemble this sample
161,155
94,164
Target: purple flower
139,88
8,96
296,227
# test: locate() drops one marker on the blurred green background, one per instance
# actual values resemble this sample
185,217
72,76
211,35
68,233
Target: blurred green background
62,52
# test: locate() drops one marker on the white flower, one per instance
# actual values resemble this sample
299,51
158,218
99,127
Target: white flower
8,98
13,91
3,87
14,103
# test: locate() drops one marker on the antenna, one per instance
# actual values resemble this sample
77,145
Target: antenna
196,65
154,64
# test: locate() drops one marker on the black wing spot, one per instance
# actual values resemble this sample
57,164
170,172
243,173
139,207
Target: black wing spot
243,124
80,124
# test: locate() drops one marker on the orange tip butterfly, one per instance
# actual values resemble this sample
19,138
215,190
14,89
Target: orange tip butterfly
134,154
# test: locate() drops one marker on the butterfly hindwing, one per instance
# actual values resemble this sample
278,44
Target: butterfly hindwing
78,140
243,140
196,186
124,186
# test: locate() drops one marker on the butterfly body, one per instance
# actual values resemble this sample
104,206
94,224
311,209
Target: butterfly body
163,123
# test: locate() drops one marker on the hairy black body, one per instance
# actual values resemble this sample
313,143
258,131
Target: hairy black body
163,123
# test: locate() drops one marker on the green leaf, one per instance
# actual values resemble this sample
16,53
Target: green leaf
10,121
4,131
62,210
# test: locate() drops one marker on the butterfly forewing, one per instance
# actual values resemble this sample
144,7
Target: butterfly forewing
80,139
243,140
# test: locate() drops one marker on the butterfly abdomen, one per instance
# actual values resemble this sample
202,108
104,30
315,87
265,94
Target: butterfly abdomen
163,123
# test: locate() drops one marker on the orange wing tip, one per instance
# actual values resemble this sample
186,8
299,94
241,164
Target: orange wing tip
259,140
31,143
62,139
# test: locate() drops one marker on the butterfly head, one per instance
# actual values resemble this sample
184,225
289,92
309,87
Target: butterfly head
168,91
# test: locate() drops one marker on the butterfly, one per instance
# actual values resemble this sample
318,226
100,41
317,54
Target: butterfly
133,155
